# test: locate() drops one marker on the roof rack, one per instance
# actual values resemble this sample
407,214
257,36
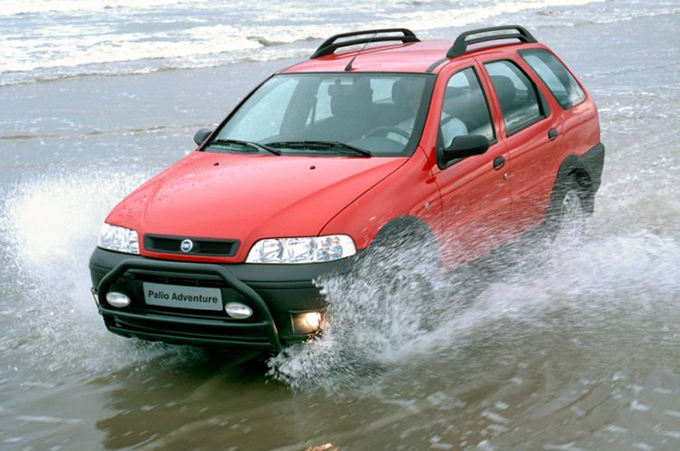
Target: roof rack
329,46
462,42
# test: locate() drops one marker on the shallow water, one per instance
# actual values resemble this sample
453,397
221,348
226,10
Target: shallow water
571,350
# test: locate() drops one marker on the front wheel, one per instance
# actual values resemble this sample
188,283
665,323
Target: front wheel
401,267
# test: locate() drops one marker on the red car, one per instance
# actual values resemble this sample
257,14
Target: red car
464,147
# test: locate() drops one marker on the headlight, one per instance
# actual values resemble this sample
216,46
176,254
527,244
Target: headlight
302,250
118,239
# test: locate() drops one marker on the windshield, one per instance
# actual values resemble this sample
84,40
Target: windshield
358,114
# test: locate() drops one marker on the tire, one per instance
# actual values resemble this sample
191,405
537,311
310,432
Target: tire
406,259
566,217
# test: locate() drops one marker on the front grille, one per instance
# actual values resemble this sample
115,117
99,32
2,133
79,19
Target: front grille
200,246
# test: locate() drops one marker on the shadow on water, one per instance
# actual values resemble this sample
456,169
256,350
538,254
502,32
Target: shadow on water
207,388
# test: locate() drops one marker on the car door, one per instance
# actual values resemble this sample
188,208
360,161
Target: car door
474,191
531,134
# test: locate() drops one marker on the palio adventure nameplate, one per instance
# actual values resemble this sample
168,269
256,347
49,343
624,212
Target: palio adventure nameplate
175,296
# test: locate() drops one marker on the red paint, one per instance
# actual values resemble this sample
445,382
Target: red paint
471,207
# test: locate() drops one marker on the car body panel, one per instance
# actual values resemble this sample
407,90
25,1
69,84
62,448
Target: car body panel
532,154
411,57
247,197
410,191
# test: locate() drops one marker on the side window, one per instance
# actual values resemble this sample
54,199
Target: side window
465,110
516,95
556,77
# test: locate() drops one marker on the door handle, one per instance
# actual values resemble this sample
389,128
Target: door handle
498,163
552,134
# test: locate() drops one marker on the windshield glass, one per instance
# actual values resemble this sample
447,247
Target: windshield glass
330,113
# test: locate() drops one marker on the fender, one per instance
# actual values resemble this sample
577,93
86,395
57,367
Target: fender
591,162
404,225
404,230
586,169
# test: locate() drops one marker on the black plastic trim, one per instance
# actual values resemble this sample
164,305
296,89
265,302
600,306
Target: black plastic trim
330,45
153,243
434,65
193,268
284,289
591,162
462,42
254,274
169,338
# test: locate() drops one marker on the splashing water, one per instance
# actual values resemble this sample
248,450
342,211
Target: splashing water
607,284
394,308
49,228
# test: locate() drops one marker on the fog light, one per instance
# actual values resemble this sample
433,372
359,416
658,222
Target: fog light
116,299
306,323
238,311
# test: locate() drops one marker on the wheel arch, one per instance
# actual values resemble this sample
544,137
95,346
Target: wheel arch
401,224
406,226
572,168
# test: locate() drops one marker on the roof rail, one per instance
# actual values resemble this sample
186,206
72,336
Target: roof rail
329,46
462,42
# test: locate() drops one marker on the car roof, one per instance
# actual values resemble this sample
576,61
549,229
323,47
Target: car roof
409,57
411,54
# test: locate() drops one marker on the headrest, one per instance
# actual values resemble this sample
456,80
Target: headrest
504,87
405,88
358,87
350,99
455,100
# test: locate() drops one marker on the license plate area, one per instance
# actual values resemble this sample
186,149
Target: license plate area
182,297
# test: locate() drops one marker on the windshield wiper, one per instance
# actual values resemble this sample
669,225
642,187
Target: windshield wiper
321,145
252,145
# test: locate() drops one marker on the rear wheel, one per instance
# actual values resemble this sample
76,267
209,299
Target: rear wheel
567,215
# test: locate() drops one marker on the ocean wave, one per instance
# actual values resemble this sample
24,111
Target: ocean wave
24,7
69,38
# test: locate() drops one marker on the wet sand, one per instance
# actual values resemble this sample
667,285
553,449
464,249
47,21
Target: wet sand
579,353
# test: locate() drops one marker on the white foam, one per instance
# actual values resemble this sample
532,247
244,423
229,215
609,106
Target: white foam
50,224
582,284
13,7
71,46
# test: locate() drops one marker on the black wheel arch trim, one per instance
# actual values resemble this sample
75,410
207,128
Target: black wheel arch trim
591,164
406,222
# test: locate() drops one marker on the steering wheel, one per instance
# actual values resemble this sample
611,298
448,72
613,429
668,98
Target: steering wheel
385,130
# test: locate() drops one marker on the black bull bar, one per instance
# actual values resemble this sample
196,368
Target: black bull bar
182,268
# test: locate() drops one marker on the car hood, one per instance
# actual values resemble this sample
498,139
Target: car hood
248,197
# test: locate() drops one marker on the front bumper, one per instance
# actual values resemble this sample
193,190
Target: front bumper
274,292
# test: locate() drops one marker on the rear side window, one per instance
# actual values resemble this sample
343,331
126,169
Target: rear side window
556,77
516,95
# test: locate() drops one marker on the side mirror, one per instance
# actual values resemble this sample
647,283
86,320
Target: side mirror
466,146
202,135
